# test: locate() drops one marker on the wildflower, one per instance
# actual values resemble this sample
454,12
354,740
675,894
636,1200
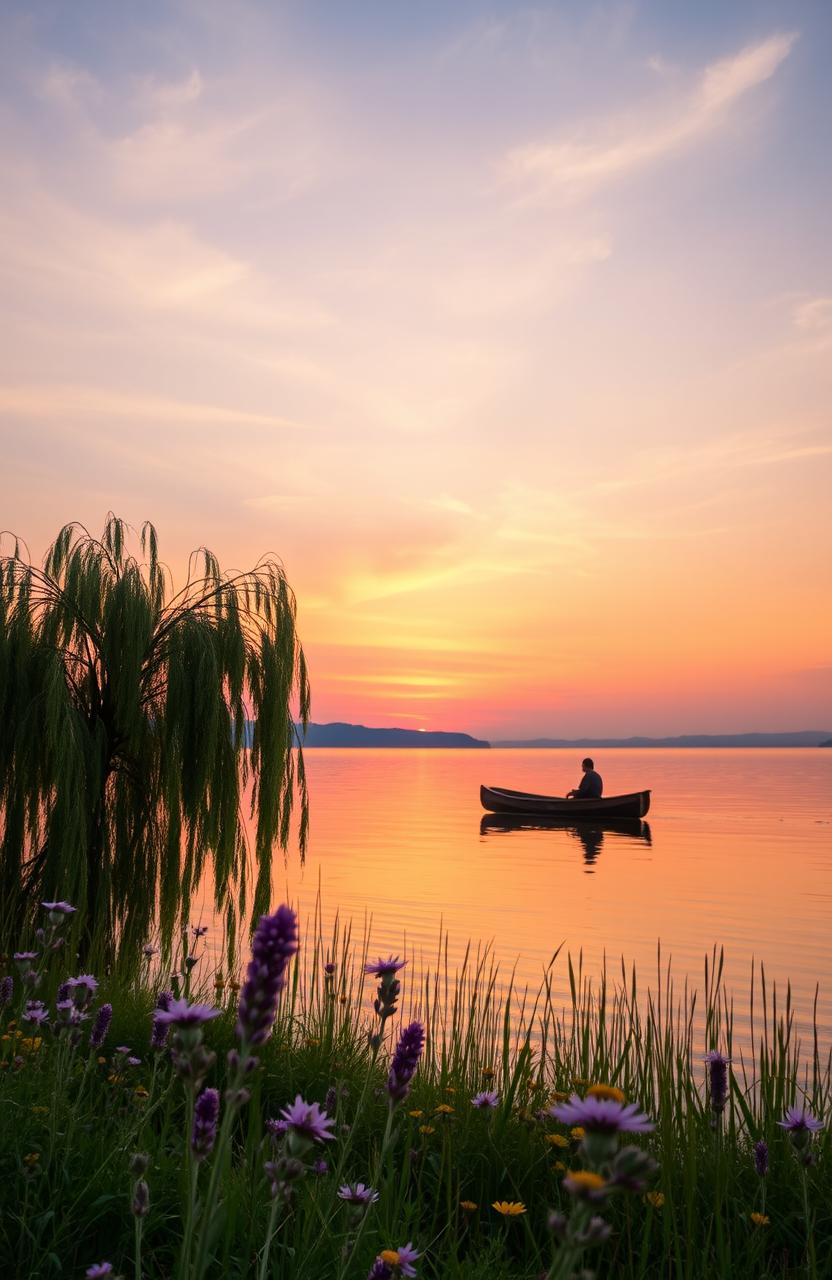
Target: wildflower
401,1258
379,1270
357,1195
606,1092
760,1219
6,990
602,1115
798,1120
577,1134
630,1170
416,1114
655,1198
30,1044
199,930
31,1159
488,1073
140,1202
469,1206
405,1061
509,1208
101,1026
185,1016
82,989
99,1270
23,959
329,969
761,1158
426,1128
385,968
275,942
307,1121
488,1100
140,1093
206,1115
718,1079
559,1166
320,1168
149,951
277,1128
35,1012
584,1184
557,1140
444,1109
58,911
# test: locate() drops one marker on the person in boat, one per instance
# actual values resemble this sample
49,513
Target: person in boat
590,787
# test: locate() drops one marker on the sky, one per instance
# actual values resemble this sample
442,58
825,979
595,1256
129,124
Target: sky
507,327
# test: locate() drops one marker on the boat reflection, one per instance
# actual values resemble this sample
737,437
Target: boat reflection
591,835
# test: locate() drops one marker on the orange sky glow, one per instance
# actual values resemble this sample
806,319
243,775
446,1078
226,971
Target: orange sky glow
511,335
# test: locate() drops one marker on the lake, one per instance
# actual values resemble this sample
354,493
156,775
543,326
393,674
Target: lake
736,851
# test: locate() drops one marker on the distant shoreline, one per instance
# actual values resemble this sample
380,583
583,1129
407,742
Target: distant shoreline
348,736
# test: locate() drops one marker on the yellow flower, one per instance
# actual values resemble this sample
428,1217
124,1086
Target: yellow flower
416,1114
31,1044
40,1111
509,1208
115,1079
559,1166
443,1110
577,1133
5,1038
655,1198
426,1128
140,1092
31,1159
449,1088
557,1140
488,1072
607,1092
584,1180
101,1061
760,1219
468,1205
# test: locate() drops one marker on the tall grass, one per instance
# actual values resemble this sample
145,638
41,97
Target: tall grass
69,1124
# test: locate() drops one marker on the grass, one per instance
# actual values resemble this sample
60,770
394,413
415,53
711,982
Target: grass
70,1122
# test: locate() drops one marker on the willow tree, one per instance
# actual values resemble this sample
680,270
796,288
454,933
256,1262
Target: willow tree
144,730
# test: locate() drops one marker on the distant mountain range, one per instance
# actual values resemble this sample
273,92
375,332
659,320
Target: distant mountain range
805,738
358,735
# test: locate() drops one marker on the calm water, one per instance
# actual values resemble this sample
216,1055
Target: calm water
737,851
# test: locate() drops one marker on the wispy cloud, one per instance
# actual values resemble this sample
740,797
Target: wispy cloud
573,165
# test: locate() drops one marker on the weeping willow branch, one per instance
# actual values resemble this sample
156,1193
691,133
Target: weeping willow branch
136,724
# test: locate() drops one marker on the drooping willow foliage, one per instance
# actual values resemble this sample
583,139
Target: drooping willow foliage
139,727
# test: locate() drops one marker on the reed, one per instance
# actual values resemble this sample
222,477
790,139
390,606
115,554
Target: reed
72,1120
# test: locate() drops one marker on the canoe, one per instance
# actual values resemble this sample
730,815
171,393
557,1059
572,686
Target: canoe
502,800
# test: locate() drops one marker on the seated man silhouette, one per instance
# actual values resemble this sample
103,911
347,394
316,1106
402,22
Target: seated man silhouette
591,787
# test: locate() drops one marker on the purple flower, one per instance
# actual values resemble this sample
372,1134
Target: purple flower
798,1121
357,1194
181,1014
761,1158
277,1128
407,1256
82,989
307,1120
329,969
58,909
101,1026
206,1115
275,942
320,1168
98,1270
6,990
602,1115
385,968
487,1100
718,1078
148,950
24,958
36,1012
405,1061
199,930
380,1271
164,1000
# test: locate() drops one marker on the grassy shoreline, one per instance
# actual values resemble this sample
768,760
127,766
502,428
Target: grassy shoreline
71,1119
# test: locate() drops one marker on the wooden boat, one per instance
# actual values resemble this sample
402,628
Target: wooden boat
502,800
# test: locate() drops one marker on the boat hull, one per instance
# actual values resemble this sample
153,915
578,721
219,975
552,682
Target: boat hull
502,800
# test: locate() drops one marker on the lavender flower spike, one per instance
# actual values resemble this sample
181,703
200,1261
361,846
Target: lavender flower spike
206,1115
405,1061
718,1079
761,1158
275,942
6,990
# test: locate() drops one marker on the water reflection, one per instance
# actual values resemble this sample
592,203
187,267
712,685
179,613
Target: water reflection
591,835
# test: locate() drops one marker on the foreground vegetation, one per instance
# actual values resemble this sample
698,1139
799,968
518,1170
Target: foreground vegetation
154,1143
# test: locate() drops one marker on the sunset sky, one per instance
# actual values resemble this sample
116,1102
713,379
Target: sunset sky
508,327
